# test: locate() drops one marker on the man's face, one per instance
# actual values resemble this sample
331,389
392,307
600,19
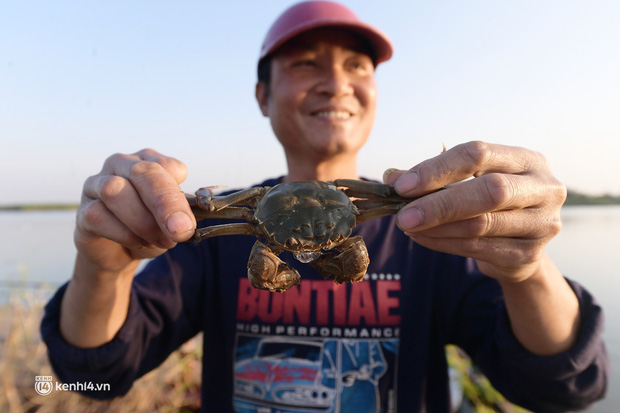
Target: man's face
322,96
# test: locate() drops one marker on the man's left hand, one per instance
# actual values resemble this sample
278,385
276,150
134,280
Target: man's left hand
503,217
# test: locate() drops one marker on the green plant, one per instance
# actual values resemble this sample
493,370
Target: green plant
477,389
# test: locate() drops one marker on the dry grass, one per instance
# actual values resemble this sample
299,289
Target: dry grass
173,387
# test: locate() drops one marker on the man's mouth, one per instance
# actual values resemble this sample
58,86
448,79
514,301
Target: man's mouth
333,114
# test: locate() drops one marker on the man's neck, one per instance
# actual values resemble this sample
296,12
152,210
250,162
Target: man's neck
306,169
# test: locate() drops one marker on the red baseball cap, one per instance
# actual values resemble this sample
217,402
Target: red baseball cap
308,15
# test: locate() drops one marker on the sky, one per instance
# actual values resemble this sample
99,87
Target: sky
82,80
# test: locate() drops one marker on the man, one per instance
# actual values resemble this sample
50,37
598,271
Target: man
377,345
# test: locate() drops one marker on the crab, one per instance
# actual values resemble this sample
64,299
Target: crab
313,220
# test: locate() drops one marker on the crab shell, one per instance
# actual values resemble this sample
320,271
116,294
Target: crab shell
306,216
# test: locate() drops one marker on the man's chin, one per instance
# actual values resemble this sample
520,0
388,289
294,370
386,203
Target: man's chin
334,149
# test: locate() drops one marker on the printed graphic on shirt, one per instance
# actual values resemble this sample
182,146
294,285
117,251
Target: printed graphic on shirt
320,347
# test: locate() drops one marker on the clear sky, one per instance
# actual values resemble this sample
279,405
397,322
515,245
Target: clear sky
80,80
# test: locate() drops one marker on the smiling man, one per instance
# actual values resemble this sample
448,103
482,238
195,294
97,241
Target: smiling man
465,265
321,99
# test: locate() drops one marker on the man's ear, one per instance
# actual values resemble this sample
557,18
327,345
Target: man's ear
262,97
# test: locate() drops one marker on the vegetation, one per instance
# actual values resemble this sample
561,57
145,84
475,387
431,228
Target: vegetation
576,198
479,396
173,387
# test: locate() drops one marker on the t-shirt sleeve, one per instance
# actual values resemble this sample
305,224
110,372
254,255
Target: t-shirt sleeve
571,380
158,322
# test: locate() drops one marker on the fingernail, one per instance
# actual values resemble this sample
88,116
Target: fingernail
407,182
387,173
410,218
179,222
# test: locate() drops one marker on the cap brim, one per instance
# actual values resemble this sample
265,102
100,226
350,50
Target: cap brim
379,41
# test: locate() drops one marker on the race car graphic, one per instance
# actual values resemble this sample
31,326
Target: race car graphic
282,374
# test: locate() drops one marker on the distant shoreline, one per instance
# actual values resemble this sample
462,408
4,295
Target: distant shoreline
576,198
573,198
39,207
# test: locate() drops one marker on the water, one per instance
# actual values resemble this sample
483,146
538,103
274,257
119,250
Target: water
584,251
37,247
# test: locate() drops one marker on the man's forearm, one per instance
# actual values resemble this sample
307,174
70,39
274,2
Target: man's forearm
543,310
95,304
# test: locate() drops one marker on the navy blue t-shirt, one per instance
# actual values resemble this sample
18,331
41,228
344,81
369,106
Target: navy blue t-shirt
372,346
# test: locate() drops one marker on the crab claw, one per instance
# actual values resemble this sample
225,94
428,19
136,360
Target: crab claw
347,265
268,272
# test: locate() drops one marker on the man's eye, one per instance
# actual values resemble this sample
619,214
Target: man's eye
302,63
360,66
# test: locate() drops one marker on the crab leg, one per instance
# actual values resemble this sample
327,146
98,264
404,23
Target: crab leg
206,200
230,212
243,228
366,189
373,199
379,212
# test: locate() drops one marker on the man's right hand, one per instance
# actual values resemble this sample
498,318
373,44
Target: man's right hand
132,209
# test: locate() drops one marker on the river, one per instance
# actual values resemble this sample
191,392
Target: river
37,248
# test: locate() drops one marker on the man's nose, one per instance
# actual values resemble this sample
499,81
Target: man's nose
334,81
